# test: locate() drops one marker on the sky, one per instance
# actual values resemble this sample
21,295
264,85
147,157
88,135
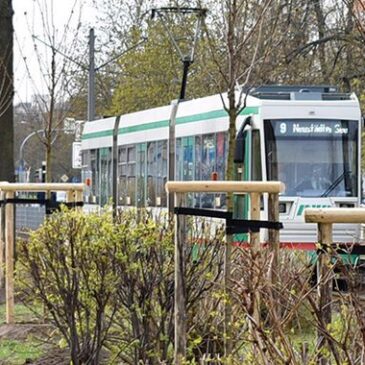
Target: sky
28,20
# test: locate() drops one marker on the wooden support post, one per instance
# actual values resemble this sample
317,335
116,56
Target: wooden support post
274,244
255,215
2,240
9,258
255,248
70,196
274,235
253,187
227,292
324,278
180,289
79,198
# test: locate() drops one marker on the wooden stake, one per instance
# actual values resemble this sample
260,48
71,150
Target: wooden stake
79,198
255,248
274,244
324,284
70,196
227,291
180,290
255,215
2,240
9,258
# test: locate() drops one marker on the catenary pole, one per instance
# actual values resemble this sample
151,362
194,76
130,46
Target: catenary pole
91,80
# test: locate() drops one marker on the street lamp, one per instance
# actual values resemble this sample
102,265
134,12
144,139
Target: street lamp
25,140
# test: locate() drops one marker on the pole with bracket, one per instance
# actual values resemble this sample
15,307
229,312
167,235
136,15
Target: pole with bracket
91,77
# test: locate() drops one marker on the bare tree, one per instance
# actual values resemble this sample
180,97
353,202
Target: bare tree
239,47
55,54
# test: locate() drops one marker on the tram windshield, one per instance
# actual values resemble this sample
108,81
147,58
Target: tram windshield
314,158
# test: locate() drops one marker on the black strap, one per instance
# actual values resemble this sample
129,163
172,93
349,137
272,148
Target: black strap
47,202
236,229
203,212
245,225
23,201
254,225
232,225
72,204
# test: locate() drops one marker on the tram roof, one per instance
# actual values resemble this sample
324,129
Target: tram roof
298,92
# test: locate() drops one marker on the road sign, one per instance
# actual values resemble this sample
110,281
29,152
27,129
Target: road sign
64,178
76,155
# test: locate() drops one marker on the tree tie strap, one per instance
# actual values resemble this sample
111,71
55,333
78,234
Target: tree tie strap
47,202
232,225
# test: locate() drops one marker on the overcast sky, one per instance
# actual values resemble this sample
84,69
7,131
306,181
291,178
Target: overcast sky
28,19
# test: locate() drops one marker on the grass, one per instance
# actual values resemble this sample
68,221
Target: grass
15,352
23,314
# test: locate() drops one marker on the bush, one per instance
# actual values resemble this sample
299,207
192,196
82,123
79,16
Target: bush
110,284
72,264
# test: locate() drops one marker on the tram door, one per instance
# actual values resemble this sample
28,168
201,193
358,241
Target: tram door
141,174
105,175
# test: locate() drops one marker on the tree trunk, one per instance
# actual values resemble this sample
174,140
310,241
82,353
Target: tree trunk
321,26
6,91
349,48
50,120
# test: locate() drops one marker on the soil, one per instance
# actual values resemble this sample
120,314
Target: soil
21,332
54,356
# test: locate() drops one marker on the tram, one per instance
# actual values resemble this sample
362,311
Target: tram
309,137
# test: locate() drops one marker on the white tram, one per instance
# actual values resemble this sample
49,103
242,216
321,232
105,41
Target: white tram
307,137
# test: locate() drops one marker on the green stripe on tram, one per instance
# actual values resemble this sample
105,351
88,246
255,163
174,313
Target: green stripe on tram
165,123
203,116
144,127
214,114
100,134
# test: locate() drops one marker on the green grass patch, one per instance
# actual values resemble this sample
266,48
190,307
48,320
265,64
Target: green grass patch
23,314
14,352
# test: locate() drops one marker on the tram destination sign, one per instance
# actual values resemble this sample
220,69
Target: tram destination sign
314,128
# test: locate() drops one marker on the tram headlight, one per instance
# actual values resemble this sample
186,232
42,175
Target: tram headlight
282,208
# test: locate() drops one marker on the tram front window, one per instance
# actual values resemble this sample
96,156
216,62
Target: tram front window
314,158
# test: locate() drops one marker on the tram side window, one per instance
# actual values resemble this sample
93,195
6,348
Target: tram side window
94,163
86,175
156,173
221,155
207,167
151,173
122,179
131,176
179,160
196,158
161,159
105,159
198,169
141,174
188,164
221,143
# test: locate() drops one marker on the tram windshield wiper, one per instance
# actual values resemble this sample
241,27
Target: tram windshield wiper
335,183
